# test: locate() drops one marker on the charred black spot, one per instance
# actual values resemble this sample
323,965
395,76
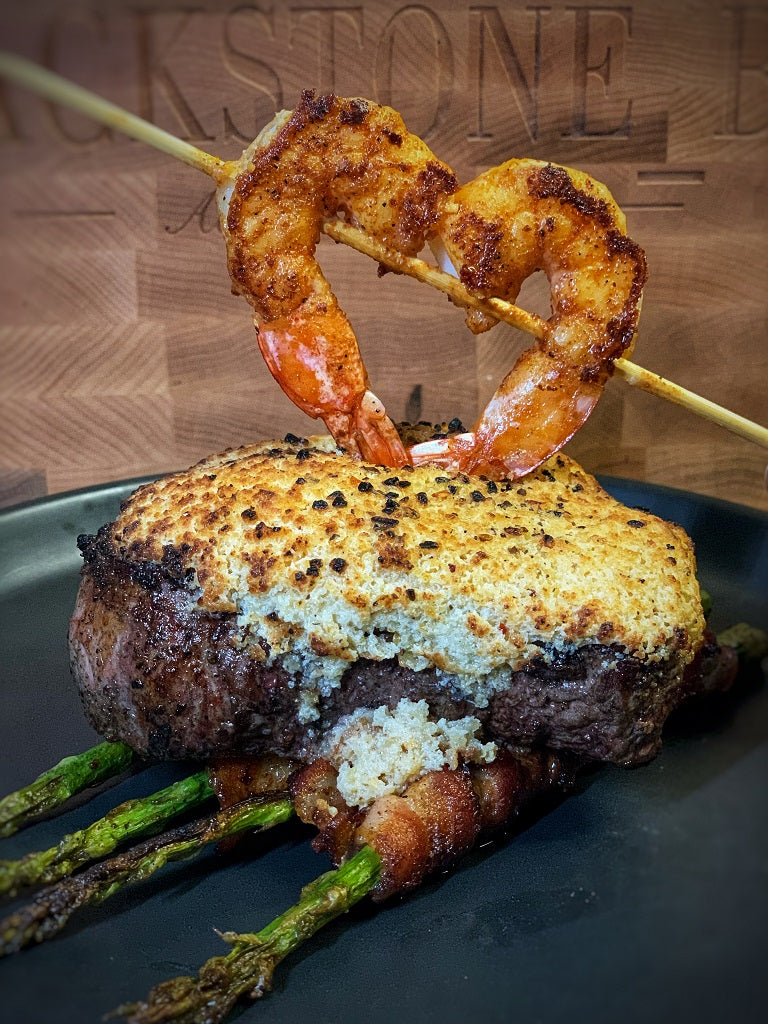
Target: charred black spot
317,108
354,113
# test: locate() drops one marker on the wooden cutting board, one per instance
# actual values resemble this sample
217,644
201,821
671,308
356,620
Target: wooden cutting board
122,351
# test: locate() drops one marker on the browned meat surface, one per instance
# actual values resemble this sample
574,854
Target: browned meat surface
173,681
436,819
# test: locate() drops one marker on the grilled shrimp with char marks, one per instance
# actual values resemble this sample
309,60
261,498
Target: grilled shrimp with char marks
499,229
329,157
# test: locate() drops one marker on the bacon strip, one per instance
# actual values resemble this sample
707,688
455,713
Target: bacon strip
437,818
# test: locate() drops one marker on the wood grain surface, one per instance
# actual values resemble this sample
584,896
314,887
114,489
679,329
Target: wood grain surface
122,351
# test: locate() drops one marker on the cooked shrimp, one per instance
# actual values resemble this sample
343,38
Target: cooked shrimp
330,157
513,220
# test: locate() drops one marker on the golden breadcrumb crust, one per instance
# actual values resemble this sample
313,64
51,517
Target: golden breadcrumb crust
328,560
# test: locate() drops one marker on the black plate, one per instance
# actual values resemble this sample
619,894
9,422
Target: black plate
642,897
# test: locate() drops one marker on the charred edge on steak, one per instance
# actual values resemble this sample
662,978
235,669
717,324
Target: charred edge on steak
173,681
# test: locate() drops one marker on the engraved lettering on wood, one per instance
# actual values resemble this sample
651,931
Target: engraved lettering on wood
254,73
584,31
155,75
746,106
204,215
93,22
44,214
665,179
435,76
324,30
487,25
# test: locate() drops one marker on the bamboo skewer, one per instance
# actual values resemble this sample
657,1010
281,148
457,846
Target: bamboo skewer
59,90
633,374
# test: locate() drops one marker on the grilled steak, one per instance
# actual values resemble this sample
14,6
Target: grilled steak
249,603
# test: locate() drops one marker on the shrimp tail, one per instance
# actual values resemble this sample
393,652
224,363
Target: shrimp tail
377,437
331,385
537,409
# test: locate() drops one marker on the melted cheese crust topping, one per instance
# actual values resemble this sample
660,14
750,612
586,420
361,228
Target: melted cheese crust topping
325,560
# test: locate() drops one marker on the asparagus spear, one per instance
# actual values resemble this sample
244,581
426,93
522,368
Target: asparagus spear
51,909
248,968
126,821
749,642
58,784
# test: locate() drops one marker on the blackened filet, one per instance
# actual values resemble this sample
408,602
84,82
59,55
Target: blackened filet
251,603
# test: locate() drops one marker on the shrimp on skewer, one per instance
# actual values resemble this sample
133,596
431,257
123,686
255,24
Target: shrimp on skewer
509,222
329,157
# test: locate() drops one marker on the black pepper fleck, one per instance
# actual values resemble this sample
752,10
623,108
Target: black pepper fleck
428,544
338,564
382,521
637,523
422,497
478,496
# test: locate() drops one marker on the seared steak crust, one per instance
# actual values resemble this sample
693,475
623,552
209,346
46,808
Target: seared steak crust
174,681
